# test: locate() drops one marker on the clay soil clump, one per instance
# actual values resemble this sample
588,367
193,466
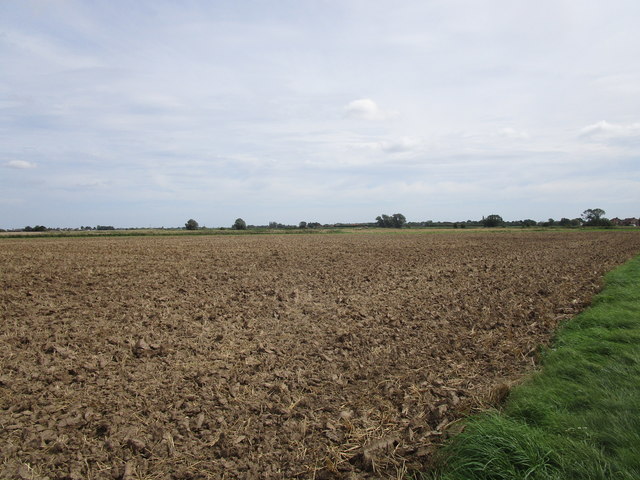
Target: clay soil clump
272,357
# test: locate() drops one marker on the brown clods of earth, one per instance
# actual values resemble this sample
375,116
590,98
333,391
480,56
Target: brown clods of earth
272,357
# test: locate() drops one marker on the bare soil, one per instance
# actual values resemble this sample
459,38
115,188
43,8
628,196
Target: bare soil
272,357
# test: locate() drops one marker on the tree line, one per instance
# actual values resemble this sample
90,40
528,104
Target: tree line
592,217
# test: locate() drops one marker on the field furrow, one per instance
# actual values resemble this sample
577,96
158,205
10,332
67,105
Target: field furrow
306,356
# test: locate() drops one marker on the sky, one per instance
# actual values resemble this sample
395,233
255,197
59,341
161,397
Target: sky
149,113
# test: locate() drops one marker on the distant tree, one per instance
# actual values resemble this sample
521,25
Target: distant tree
397,220
39,228
239,224
565,222
28,229
273,224
314,225
492,221
383,220
529,223
594,217
549,223
191,224
302,224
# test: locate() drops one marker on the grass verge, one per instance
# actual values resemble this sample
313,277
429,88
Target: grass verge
579,417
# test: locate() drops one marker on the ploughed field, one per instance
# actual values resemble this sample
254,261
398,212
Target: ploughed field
285,356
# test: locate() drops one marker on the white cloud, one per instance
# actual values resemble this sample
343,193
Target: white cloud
47,50
19,164
401,145
604,130
366,109
375,154
512,133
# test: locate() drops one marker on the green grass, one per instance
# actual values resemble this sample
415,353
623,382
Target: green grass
579,417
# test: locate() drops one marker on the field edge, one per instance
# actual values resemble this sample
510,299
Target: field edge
576,418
